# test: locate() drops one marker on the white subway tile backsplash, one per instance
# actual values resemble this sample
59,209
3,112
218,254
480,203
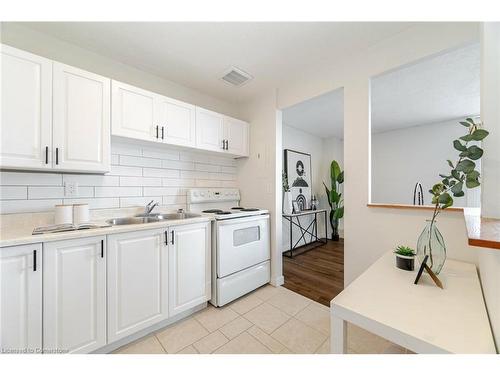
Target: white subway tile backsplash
208,183
91,180
138,201
48,192
118,170
33,179
13,192
208,167
125,149
160,154
137,161
173,164
138,175
25,206
158,172
152,191
186,182
173,199
118,191
140,181
95,203
230,170
194,174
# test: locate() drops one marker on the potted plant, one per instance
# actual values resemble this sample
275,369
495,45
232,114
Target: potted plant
463,174
405,258
335,198
287,195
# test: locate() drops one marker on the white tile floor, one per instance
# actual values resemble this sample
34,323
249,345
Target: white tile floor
269,320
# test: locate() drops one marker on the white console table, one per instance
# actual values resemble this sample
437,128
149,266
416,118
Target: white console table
423,318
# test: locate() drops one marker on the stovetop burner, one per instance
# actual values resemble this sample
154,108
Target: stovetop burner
249,209
236,208
224,213
213,211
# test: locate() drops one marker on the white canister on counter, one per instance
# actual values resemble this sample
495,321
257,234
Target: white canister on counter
81,213
63,214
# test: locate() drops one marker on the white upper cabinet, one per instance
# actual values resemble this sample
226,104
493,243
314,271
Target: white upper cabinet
137,281
81,129
133,112
26,126
236,136
176,122
74,295
21,298
189,260
209,130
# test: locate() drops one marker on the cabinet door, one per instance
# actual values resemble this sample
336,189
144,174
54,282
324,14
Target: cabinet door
209,130
133,113
74,295
236,135
137,282
26,126
21,298
81,132
177,122
189,259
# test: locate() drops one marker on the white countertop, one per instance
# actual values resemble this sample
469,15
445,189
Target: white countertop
423,317
22,234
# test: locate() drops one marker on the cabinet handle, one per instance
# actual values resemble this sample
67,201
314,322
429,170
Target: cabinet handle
162,132
34,260
46,154
156,131
227,144
173,238
102,248
223,144
57,155
166,238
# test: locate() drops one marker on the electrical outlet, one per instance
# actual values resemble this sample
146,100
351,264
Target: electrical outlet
70,189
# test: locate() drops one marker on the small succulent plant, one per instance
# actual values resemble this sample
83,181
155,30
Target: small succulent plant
405,251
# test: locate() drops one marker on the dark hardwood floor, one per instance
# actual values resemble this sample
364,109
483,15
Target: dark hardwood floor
317,274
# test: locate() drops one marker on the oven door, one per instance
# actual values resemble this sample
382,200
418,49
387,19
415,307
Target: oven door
242,243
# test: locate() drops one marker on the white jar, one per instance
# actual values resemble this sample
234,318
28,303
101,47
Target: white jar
81,213
63,214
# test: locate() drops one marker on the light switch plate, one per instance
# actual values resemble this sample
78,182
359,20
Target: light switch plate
70,189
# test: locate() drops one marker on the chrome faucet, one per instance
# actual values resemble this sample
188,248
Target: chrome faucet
150,207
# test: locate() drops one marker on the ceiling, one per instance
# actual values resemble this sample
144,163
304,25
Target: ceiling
322,116
197,54
440,88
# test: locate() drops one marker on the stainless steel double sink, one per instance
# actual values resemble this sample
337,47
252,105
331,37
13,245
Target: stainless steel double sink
150,218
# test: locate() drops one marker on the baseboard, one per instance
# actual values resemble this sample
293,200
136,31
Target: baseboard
277,281
160,325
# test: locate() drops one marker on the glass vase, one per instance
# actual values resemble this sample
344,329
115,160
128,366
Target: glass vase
431,243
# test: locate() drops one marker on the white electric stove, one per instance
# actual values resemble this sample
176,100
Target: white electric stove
240,243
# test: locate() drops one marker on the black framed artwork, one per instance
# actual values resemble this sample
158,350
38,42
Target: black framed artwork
299,173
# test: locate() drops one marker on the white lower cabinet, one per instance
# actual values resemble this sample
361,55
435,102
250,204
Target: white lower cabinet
74,295
137,281
189,259
21,299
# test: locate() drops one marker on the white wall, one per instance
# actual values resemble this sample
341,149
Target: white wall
402,157
138,175
41,44
489,260
259,175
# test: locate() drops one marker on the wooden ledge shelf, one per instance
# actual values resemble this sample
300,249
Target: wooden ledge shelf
409,207
482,232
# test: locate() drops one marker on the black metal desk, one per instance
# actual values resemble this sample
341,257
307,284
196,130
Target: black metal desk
313,232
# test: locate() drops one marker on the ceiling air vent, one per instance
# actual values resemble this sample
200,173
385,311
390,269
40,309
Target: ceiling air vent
236,77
